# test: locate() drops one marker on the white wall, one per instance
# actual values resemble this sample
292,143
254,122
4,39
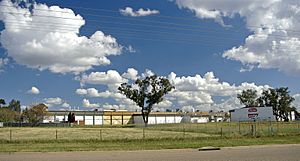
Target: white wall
98,120
178,119
88,120
158,119
78,118
199,119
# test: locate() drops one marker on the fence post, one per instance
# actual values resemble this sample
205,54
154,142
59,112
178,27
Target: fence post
221,132
277,131
270,127
56,134
183,131
100,134
239,127
229,129
10,134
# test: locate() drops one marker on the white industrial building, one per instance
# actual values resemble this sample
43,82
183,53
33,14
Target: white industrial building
126,117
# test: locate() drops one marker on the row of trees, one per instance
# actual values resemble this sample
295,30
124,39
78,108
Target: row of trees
278,98
13,113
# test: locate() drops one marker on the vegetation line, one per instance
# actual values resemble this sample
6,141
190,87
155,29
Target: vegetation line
138,144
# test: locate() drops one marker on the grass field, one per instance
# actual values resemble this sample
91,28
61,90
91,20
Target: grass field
164,136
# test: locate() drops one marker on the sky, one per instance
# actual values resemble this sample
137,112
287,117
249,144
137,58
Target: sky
74,54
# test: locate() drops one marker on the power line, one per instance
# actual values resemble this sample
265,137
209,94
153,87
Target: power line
198,42
128,33
164,16
119,30
146,25
123,35
72,28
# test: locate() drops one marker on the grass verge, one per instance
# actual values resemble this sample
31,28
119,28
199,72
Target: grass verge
138,144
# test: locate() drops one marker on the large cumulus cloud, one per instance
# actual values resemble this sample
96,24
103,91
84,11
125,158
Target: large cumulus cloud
47,37
274,23
196,92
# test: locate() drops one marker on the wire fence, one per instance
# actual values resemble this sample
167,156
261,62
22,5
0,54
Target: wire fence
186,130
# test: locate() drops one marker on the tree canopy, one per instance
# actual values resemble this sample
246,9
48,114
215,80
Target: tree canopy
279,99
36,113
146,93
14,105
2,102
248,97
10,113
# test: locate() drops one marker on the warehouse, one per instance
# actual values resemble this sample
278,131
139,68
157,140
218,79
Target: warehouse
81,117
123,117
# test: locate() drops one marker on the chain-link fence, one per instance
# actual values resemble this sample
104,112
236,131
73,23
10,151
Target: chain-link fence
186,130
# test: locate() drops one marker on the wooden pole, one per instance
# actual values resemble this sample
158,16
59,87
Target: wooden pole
100,134
221,132
56,134
10,134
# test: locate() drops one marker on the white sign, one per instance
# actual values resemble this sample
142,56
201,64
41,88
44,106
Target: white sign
252,113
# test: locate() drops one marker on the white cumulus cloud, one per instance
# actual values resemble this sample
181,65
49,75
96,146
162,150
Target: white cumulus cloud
130,74
275,40
104,78
56,102
3,62
128,11
47,37
86,103
33,90
296,102
196,91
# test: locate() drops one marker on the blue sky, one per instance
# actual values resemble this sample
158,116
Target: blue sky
230,46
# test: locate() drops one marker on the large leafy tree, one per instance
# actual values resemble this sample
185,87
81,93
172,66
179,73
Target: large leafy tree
36,113
146,93
280,100
2,102
8,115
14,105
248,97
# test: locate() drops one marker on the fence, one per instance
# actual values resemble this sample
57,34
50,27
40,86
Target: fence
187,130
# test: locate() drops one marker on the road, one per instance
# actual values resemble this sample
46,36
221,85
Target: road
247,153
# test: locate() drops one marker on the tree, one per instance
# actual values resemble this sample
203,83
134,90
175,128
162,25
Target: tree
147,92
280,100
8,115
71,117
248,98
36,113
14,105
2,102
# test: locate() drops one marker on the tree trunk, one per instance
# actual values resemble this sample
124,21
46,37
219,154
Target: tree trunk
145,117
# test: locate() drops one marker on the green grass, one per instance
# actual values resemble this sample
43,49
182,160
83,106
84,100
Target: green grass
138,144
165,136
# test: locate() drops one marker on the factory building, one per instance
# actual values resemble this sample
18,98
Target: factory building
122,117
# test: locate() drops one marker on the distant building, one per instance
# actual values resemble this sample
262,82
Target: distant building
123,117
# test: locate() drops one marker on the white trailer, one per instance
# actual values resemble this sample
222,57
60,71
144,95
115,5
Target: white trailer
252,114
